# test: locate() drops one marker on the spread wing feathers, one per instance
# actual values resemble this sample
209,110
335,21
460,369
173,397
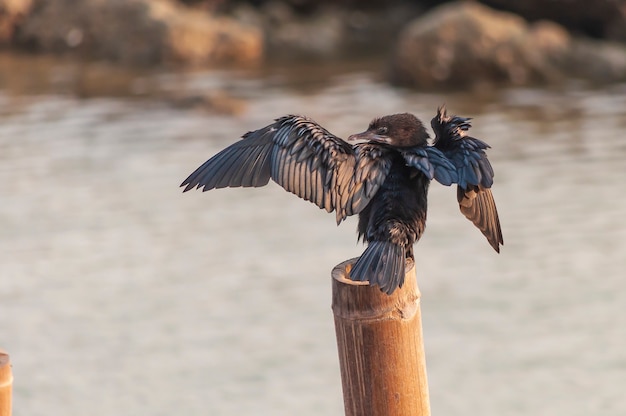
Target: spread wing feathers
467,153
432,163
474,173
302,157
370,172
245,163
478,206
312,163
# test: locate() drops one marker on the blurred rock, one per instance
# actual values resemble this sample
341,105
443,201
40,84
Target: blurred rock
138,32
12,14
467,44
597,61
617,29
318,33
327,31
599,19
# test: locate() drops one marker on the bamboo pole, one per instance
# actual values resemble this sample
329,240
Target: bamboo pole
6,383
381,352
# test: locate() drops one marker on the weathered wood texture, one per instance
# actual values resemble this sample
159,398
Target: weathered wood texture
381,351
6,384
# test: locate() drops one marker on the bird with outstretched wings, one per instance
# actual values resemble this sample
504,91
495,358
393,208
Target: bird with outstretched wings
384,178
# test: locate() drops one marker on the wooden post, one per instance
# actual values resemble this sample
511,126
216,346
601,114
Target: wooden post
381,352
6,383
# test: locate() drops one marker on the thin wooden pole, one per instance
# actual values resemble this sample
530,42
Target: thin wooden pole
6,384
381,351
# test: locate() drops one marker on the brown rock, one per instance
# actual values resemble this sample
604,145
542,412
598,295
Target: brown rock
12,14
597,61
316,34
597,18
465,43
196,37
138,32
542,50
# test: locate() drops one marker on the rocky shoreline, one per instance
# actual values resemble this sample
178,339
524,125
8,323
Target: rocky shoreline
427,44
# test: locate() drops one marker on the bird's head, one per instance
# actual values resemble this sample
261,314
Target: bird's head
399,130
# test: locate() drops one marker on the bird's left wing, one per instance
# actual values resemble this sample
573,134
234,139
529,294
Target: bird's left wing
245,163
370,171
298,154
474,173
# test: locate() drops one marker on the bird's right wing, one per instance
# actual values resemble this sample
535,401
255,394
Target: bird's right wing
299,155
432,163
474,173
478,206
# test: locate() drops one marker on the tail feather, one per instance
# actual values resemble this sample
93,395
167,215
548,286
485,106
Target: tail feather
382,264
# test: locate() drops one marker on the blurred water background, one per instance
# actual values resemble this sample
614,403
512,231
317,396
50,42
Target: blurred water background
121,295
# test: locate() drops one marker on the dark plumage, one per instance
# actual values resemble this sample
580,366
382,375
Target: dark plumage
384,179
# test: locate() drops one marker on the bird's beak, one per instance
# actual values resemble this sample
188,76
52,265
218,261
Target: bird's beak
368,136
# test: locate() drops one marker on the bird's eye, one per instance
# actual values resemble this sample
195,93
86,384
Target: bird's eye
382,130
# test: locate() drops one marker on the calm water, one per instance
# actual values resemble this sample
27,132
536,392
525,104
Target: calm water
120,295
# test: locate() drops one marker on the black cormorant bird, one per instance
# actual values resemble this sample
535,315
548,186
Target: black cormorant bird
384,178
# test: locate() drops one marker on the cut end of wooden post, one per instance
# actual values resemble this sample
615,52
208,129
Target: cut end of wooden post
355,298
